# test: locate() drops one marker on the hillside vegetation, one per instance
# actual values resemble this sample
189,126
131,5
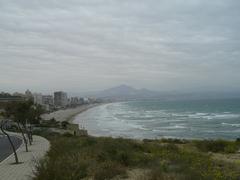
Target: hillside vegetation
72,158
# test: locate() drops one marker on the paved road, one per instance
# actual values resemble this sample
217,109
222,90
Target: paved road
5,147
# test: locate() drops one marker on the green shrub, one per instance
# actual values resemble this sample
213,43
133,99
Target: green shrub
64,124
174,141
67,134
217,146
62,168
171,147
108,170
230,148
156,174
106,158
124,158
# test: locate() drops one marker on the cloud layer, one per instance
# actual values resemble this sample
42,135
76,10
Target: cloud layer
80,45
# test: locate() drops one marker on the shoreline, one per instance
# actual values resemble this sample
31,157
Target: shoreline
68,114
72,117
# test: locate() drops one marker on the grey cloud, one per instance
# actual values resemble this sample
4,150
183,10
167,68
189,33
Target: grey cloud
80,45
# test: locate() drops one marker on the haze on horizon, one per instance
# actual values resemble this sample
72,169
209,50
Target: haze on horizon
81,45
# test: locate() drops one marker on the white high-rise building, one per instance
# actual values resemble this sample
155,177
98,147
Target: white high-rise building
60,99
28,94
37,98
47,100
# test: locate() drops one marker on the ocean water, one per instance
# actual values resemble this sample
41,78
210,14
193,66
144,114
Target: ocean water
196,119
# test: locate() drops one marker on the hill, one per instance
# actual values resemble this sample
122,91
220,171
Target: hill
124,92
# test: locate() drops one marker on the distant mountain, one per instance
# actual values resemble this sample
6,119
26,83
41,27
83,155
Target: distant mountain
124,92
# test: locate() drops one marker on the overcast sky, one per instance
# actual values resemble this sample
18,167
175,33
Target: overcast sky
81,45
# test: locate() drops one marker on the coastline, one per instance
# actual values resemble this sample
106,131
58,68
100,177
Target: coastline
68,114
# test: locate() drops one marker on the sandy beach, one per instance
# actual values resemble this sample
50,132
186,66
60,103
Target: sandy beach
68,114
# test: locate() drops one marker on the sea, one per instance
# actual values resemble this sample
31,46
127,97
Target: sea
155,119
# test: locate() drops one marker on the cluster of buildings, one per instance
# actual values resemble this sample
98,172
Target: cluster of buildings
58,100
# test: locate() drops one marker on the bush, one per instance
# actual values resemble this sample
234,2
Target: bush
174,141
218,146
124,158
156,174
67,134
64,124
230,148
172,148
107,158
108,170
62,168
49,123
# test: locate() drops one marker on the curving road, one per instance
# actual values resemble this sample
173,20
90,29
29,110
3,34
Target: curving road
5,147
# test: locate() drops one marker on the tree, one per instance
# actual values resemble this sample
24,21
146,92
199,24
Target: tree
24,113
18,111
64,124
10,141
33,117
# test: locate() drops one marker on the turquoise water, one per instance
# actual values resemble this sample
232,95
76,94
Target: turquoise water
200,119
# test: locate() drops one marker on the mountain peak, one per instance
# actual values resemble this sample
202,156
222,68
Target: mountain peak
124,87
126,92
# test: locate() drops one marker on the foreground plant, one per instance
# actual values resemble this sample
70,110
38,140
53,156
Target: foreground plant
107,158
